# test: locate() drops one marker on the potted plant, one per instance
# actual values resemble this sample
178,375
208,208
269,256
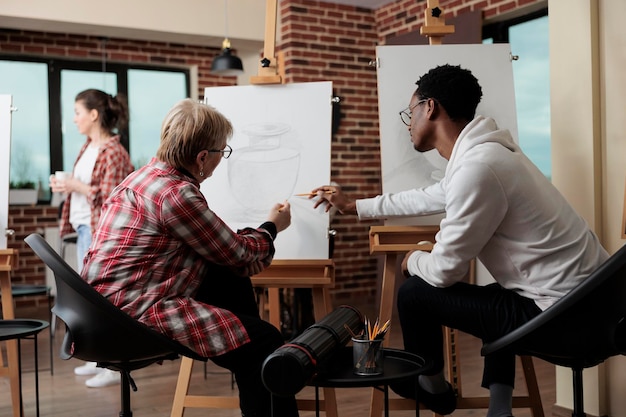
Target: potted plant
22,189
22,192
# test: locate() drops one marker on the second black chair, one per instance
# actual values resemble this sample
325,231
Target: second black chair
98,331
581,330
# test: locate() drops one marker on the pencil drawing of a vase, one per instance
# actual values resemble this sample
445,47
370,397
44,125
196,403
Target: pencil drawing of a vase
264,172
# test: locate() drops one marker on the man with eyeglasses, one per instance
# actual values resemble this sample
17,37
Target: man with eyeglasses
500,209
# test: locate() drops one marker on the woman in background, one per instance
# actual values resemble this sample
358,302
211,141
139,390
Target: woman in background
102,163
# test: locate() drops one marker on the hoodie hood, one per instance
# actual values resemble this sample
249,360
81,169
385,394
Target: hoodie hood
479,131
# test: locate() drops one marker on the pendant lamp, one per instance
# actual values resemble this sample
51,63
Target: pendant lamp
226,63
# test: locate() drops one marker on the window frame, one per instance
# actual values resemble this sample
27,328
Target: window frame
56,65
499,31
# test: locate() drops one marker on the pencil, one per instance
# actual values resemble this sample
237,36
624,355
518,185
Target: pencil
309,194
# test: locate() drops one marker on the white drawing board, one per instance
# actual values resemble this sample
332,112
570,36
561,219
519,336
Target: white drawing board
5,156
281,147
399,67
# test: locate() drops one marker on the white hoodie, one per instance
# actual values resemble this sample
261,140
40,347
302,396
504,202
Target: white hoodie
502,210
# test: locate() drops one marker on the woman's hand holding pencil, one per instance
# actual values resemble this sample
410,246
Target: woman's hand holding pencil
280,215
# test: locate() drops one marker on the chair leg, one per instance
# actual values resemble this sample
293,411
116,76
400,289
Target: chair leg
577,379
125,395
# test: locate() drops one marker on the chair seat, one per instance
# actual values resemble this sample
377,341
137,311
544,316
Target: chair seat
581,330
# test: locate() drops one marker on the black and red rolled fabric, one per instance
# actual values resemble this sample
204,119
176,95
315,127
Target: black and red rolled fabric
288,369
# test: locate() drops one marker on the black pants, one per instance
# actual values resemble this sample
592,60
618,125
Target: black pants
487,312
233,293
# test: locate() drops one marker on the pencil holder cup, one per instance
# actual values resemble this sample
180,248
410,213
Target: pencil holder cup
367,356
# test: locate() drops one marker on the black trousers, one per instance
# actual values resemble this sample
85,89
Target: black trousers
487,312
225,290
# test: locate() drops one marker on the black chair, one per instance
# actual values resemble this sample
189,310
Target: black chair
98,331
581,330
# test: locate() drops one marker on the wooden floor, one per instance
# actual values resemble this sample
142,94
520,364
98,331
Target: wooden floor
64,394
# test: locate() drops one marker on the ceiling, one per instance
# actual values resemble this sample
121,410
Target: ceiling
368,4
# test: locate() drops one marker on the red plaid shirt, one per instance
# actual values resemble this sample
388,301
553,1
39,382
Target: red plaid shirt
154,242
112,166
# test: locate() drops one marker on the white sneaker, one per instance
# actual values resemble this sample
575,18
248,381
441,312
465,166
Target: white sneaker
104,379
89,368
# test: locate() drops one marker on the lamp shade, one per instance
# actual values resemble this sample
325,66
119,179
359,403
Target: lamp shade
227,64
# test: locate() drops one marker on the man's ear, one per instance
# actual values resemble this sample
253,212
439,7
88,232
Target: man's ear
435,110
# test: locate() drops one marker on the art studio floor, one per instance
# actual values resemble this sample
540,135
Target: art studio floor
64,394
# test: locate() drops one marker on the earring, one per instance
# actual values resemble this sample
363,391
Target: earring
202,173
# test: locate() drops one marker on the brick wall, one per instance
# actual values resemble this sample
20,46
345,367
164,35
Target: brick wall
330,42
321,42
84,47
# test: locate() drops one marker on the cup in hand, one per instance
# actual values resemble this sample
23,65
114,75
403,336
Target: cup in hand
367,356
61,175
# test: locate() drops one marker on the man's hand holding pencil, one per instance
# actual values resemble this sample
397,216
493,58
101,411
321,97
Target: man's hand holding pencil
332,197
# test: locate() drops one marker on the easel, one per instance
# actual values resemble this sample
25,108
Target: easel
393,241
8,258
319,275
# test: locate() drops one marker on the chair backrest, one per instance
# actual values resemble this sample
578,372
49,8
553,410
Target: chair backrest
97,330
584,328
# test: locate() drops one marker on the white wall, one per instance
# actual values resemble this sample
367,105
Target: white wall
197,22
587,57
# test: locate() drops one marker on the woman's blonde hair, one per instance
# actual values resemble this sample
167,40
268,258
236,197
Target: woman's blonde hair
190,127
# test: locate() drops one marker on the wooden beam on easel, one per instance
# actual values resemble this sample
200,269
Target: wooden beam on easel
434,24
8,258
271,65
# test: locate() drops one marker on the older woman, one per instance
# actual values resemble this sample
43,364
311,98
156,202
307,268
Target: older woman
161,255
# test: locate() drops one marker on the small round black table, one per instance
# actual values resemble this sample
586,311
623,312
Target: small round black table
21,329
397,365
28,290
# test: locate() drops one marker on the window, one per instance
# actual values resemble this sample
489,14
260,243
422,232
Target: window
27,82
44,138
528,37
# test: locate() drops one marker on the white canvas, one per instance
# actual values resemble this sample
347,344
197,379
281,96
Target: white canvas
399,67
281,147
5,154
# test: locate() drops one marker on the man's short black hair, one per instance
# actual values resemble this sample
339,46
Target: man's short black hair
455,88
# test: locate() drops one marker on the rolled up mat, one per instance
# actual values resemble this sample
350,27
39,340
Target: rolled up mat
287,370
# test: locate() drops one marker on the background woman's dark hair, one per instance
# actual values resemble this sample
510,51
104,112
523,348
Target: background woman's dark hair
455,88
112,111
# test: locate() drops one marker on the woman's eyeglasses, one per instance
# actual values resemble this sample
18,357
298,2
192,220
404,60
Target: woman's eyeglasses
225,152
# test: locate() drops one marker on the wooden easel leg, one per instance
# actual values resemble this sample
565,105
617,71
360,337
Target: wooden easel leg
14,377
12,367
376,403
182,387
388,290
531,385
321,307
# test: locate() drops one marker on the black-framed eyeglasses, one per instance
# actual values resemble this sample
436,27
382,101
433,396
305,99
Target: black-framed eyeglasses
225,152
405,115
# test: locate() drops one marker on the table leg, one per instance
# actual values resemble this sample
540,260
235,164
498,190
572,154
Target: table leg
19,370
417,403
317,401
386,392
36,376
